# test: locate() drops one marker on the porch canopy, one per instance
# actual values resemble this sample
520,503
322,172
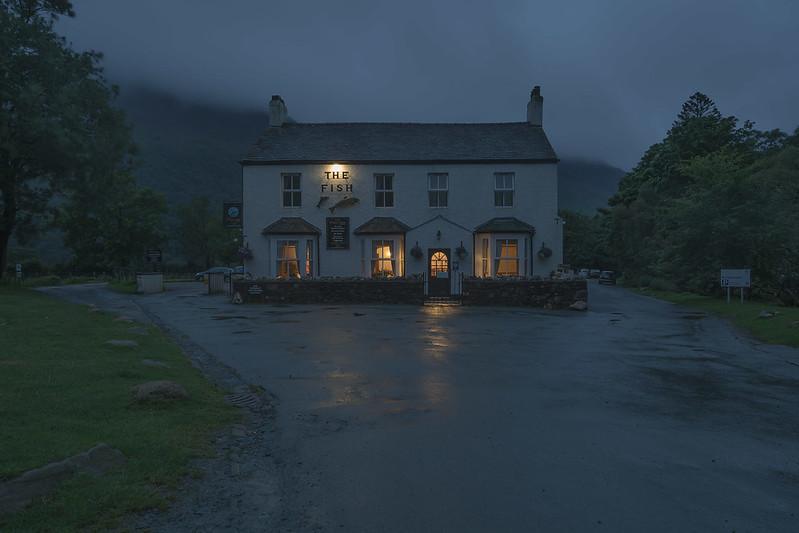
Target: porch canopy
382,226
291,226
505,225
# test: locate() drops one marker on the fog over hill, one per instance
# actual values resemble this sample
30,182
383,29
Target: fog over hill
193,150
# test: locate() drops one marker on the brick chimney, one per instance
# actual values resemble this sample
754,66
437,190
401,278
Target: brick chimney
535,107
277,111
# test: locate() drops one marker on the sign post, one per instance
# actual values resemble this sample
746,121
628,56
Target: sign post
736,277
154,257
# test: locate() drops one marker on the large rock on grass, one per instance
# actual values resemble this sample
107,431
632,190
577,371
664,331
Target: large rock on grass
37,483
159,390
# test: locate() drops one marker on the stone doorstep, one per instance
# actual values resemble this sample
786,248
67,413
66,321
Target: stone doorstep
19,492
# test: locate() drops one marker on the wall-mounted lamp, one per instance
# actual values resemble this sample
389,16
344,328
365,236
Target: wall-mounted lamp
438,235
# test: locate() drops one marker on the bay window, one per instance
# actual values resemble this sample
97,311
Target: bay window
506,261
287,260
384,262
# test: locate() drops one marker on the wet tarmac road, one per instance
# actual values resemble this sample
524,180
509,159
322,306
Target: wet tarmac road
635,416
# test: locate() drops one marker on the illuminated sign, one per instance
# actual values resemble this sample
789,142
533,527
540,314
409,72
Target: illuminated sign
337,181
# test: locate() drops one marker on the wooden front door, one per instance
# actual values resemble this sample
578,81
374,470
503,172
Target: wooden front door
438,272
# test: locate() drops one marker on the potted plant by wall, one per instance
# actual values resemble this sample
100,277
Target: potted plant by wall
416,251
544,252
245,253
461,251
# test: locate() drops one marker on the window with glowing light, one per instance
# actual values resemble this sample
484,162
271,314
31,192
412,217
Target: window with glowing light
503,189
439,265
507,258
384,262
438,189
308,258
384,190
485,258
287,260
292,194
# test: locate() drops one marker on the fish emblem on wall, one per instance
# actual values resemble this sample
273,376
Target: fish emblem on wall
344,202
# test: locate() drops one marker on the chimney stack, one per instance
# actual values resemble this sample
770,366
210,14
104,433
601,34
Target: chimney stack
277,111
535,107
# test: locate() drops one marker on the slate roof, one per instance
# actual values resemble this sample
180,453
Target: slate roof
378,225
401,142
504,225
291,226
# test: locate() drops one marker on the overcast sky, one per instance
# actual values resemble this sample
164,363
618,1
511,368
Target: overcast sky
613,72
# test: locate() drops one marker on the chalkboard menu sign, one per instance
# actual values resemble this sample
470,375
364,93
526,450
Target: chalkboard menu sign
338,233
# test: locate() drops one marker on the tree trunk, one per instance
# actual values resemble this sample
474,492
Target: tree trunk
8,219
5,237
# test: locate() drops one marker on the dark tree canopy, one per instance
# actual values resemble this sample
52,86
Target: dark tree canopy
712,194
59,129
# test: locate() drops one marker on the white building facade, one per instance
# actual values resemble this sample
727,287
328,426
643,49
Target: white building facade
392,199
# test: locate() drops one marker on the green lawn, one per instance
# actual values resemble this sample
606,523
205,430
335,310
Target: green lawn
781,329
62,390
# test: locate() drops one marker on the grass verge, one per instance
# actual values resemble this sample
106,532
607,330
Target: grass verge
783,328
63,390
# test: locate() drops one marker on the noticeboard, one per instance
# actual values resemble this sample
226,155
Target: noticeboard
337,231
153,255
735,277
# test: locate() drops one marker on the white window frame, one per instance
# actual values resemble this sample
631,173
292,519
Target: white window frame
308,259
384,190
438,190
378,244
291,190
486,258
282,259
498,256
503,191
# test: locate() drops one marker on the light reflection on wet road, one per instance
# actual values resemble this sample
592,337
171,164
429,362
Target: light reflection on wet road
634,416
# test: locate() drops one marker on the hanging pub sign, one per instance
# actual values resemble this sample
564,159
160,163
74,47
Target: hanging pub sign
232,214
338,233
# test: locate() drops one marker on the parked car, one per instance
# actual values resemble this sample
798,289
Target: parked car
607,277
203,276
594,273
583,273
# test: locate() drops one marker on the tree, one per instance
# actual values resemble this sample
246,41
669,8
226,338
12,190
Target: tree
108,223
585,240
203,239
55,108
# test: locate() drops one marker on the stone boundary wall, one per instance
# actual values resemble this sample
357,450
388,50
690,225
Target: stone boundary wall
334,291
547,294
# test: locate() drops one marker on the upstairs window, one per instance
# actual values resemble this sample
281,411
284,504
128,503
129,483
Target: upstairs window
384,190
503,189
438,189
507,258
292,195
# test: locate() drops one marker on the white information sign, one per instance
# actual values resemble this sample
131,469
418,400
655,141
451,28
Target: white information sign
735,277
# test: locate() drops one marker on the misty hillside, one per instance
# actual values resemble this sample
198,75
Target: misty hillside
190,150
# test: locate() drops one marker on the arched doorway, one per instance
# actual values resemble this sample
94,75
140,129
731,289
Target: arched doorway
438,270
